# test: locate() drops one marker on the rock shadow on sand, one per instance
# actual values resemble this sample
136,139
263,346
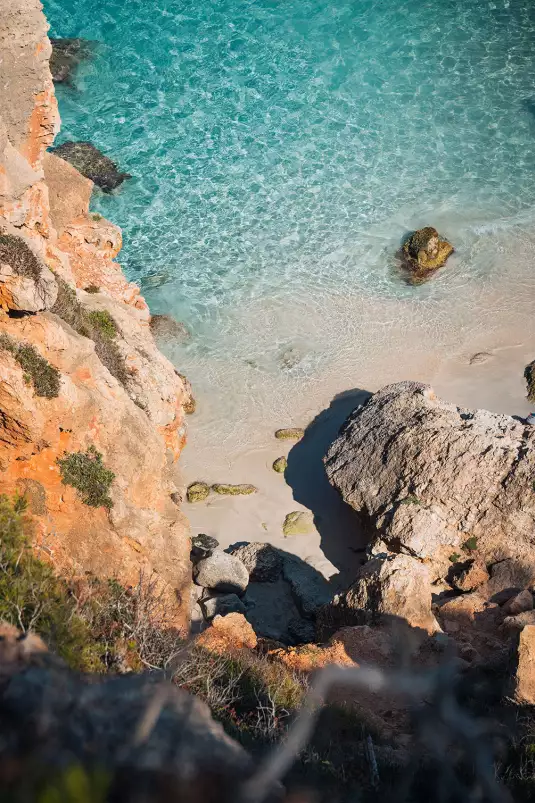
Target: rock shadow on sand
343,539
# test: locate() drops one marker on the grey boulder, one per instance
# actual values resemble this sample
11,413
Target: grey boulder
222,572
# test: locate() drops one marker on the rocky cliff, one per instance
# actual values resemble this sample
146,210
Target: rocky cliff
83,387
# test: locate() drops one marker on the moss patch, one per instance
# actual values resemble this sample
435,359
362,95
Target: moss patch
298,523
280,465
234,490
19,256
290,434
198,492
86,472
45,378
98,325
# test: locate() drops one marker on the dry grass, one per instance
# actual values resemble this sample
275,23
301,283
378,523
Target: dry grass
46,379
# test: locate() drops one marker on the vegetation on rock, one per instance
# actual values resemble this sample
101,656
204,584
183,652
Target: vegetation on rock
290,434
280,465
234,490
86,472
45,378
298,522
98,325
198,492
19,256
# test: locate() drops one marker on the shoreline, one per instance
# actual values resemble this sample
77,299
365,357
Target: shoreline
494,380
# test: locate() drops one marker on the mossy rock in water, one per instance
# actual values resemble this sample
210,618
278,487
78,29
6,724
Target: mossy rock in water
290,434
92,164
234,490
529,376
424,253
198,492
280,465
298,522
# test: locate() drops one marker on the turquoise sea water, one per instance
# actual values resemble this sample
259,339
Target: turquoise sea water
281,148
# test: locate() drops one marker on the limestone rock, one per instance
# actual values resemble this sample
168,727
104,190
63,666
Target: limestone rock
92,164
26,284
263,561
227,633
310,589
202,546
524,680
468,575
426,475
69,193
424,252
517,623
509,577
387,587
222,572
298,522
519,604
221,604
529,376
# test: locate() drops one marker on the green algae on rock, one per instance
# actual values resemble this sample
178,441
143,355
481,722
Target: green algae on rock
234,490
280,465
298,522
424,253
290,434
198,492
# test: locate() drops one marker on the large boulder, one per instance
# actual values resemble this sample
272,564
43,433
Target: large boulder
222,572
388,588
437,481
263,561
524,678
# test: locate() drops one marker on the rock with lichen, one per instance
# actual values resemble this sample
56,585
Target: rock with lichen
298,522
280,465
234,490
197,492
424,253
290,434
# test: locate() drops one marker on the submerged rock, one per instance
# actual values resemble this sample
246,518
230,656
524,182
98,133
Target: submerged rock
198,492
424,252
92,164
298,522
234,490
165,327
290,434
222,572
66,56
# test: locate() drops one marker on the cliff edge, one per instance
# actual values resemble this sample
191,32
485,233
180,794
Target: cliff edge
91,413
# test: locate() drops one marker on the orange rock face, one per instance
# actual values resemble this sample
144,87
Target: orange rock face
228,633
136,424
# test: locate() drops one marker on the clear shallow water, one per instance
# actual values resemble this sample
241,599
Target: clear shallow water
280,150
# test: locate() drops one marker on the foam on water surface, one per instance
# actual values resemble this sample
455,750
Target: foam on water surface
281,149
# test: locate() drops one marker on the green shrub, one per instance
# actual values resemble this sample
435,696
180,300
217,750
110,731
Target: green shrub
86,472
19,256
102,321
45,378
92,288
98,325
470,545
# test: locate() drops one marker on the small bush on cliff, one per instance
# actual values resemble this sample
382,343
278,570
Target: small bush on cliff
44,377
98,325
19,256
33,598
86,472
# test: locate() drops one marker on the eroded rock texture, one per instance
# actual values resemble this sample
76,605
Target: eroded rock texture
135,421
438,482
